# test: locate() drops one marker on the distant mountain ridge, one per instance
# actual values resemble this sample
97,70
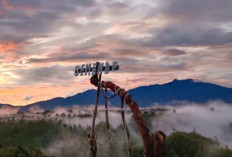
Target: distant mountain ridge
169,93
7,106
181,90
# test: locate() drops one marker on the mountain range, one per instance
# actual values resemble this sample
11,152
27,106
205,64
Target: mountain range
170,93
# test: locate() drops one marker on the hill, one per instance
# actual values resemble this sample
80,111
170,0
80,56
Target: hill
170,93
181,90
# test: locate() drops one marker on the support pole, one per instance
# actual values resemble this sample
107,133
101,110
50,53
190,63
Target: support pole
153,143
107,123
106,108
96,106
125,127
92,137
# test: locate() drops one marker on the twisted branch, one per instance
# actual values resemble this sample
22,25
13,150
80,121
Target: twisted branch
153,143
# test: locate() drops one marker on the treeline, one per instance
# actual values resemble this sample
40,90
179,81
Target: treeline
44,138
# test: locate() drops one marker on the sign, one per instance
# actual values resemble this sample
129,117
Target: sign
93,69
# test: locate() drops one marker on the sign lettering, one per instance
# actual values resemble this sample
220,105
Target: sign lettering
91,69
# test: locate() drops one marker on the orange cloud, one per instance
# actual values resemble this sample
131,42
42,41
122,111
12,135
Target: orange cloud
16,96
6,5
8,50
7,46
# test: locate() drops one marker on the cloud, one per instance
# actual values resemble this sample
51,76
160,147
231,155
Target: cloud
68,56
46,75
191,23
164,39
36,109
58,4
174,52
175,35
28,98
26,4
8,111
6,5
29,18
206,11
41,22
117,7
211,120
7,46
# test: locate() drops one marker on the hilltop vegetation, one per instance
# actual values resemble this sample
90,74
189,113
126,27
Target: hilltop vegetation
35,133
182,144
43,138
26,138
19,151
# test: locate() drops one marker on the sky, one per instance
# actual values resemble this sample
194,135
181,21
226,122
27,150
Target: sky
154,42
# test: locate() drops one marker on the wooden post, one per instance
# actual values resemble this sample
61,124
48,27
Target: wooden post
96,106
153,143
106,112
107,123
125,127
92,137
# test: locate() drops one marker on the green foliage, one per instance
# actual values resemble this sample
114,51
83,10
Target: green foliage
34,133
221,153
137,150
11,151
28,138
150,113
181,144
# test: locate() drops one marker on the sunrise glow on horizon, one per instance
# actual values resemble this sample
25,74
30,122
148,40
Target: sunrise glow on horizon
154,42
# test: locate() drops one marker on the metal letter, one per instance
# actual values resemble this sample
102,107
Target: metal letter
94,69
115,64
76,70
82,69
100,67
87,69
107,69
